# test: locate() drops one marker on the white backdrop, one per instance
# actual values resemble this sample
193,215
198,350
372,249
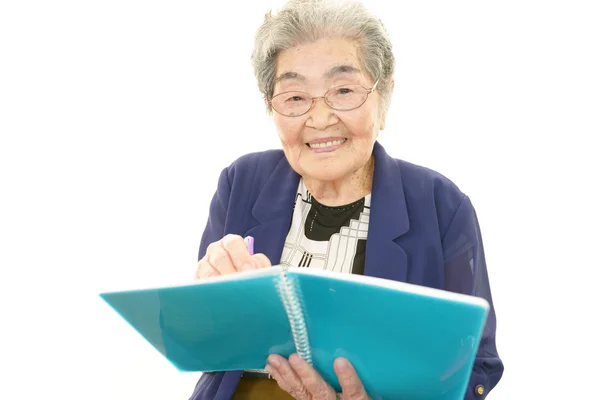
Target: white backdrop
116,118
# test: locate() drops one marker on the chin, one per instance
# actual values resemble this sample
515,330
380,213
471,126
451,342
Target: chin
327,172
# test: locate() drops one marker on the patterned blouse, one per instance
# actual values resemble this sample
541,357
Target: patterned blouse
330,238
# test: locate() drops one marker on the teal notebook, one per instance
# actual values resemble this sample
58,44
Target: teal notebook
405,341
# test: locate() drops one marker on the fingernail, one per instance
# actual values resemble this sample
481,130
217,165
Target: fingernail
274,361
295,360
343,365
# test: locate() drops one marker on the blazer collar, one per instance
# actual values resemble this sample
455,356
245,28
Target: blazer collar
273,211
388,216
276,199
388,220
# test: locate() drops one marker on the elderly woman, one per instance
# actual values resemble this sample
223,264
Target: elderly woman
333,198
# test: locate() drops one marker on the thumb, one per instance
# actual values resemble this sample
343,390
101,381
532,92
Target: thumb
352,387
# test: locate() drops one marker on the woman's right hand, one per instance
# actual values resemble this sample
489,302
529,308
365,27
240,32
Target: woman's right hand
228,256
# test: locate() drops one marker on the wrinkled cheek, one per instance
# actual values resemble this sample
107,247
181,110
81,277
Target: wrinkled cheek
294,149
290,135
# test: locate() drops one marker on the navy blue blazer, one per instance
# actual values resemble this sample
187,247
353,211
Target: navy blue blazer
422,230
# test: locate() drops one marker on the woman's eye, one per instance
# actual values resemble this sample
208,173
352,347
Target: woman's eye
296,98
344,91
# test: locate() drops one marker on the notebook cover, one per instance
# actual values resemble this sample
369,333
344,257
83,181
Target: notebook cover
405,341
225,323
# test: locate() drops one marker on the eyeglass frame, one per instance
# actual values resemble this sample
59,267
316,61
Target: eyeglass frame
324,97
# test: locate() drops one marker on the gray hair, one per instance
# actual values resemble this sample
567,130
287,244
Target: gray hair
306,21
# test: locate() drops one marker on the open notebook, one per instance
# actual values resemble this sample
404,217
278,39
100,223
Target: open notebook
405,341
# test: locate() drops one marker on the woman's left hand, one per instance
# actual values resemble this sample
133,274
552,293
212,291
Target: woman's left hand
300,379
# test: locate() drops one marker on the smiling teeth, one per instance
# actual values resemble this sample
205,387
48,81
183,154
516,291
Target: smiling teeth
326,144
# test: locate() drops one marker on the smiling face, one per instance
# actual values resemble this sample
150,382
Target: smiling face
325,144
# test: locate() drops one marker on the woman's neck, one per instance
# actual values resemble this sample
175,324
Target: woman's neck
343,191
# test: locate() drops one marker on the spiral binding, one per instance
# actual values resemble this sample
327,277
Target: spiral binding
292,302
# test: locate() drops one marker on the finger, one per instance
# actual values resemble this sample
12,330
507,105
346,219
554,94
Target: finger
352,387
273,372
260,261
278,378
311,379
219,259
238,252
288,380
205,270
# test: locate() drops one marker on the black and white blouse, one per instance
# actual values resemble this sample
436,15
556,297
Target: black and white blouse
330,238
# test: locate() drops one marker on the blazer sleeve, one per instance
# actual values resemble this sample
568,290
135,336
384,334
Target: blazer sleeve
217,215
208,385
466,272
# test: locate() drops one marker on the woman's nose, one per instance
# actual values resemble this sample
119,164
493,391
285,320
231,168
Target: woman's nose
321,115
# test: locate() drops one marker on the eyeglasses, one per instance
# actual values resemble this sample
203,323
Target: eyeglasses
341,98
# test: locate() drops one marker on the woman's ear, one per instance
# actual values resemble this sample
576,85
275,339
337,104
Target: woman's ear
384,112
382,121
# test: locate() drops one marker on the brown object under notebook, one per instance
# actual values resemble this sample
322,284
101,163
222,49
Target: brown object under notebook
260,389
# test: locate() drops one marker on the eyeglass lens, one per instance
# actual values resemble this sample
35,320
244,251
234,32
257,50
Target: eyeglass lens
340,98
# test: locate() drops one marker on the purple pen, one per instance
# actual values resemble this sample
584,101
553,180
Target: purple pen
249,240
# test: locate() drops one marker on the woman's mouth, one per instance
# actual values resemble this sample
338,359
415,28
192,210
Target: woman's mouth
326,146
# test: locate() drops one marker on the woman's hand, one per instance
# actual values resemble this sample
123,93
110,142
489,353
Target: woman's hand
227,256
300,379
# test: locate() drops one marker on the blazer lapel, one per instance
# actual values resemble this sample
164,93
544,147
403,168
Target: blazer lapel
273,211
388,220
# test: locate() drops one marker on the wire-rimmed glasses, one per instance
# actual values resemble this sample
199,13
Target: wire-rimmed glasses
340,98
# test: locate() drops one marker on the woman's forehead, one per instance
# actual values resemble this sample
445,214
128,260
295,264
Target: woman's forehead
321,60
333,72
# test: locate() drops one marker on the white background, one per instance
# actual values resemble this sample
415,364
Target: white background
116,118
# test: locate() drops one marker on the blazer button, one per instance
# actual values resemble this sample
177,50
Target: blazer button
479,390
